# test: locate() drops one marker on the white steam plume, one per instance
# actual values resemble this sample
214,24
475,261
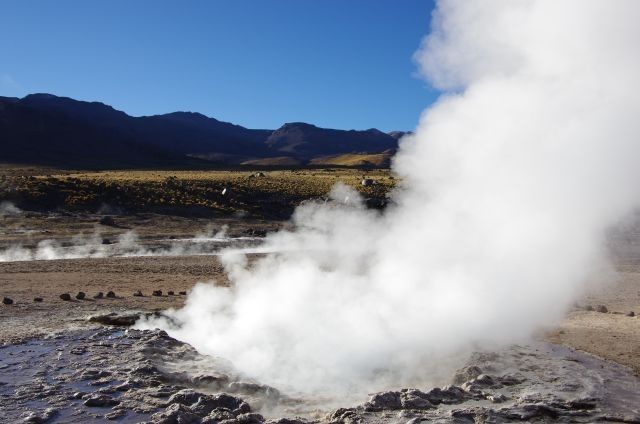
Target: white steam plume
508,186
127,244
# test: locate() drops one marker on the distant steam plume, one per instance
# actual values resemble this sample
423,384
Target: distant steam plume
508,186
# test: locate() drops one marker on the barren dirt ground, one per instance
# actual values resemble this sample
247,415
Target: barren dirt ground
612,336
23,281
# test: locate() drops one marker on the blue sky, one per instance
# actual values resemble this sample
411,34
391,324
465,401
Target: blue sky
335,63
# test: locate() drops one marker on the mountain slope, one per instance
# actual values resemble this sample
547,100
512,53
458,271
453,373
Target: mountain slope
39,137
60,131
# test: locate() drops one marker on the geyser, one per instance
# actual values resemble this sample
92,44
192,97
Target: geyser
507,188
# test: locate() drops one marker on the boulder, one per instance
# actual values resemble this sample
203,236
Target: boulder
99,295
170,293
111,295
631,314
37,299
7,301
81,295
602,309
182,293
138,294
65,296
157,293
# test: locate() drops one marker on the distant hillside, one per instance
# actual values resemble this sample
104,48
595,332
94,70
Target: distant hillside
44,129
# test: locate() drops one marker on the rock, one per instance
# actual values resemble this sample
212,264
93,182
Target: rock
466,374
37,299
36,418
176,414
218,414
343,415
496,398
186,397
138,294
115,319
182,293
602,309
111,295
157,293
94,374
448,395
107,220
288,421
250,418
81,295
65,296
384,400
117,414
7,301
207,403
631,314
99,295
100,401
170,293
414,399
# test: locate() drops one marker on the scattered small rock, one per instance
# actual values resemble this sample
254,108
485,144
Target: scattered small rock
7,301
111,295
65,296
157,293
37,299
602,309
81,295
138,294
99,295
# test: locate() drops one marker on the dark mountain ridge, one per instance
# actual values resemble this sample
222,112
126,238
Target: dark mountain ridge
59,131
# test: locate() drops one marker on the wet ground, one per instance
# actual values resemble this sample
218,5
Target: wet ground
101,374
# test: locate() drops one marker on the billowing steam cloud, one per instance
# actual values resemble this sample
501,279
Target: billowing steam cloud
508,186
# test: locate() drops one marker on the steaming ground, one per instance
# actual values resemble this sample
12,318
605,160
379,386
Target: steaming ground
508,187
612,336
